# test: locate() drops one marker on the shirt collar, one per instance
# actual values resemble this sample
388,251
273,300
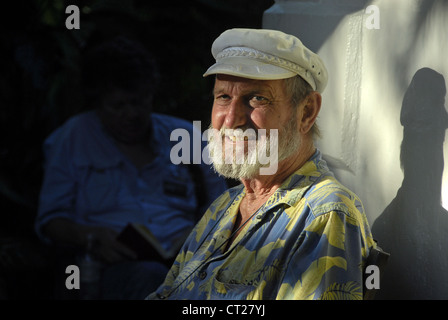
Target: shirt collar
296,185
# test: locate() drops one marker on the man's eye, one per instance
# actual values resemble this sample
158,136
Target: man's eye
258,100
222,98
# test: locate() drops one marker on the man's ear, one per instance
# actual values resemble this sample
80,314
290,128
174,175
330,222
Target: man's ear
310,108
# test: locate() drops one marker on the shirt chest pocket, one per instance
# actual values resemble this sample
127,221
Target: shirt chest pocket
233,286
98,188
251,273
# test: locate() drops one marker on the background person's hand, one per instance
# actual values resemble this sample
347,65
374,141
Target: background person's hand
106,247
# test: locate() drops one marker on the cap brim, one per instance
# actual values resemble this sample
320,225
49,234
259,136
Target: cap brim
249,68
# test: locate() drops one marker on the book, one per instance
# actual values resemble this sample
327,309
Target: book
147,247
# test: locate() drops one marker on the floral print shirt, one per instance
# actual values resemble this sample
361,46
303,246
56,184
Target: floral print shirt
310,240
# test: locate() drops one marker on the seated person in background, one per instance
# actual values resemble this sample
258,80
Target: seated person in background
291,233
111,166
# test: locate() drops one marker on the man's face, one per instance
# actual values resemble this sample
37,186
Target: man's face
251,105
126,115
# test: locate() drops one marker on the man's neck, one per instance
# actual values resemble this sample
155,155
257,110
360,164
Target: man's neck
259,189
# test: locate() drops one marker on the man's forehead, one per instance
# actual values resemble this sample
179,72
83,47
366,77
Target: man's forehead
226,82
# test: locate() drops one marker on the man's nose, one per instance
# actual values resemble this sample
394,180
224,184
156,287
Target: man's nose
236,115
130,111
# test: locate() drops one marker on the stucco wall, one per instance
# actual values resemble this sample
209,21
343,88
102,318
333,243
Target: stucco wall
384,123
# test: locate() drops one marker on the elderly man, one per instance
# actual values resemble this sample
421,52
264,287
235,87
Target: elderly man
294,233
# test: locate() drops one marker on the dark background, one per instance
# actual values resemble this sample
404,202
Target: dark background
40,89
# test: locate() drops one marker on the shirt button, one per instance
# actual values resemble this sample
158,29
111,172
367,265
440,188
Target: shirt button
202,275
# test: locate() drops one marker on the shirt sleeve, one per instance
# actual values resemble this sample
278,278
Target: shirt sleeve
169,284
179,271
327,262
58,187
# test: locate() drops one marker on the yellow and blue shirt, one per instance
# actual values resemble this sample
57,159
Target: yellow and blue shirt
308,241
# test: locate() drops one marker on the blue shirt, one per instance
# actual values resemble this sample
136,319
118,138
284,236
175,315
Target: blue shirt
87,179
310,240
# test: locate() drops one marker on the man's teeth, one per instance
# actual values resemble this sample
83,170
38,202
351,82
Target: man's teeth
235,138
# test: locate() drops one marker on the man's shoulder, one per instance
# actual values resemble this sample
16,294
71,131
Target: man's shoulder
79,125
328,195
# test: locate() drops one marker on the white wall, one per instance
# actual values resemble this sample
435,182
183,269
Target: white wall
367,123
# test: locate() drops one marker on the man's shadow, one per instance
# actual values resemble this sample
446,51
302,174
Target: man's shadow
414,227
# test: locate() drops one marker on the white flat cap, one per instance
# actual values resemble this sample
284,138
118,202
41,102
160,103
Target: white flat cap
266,55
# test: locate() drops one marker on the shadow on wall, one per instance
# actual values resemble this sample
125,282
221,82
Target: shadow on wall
414,226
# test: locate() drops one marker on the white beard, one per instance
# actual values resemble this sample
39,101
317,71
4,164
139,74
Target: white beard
231,160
